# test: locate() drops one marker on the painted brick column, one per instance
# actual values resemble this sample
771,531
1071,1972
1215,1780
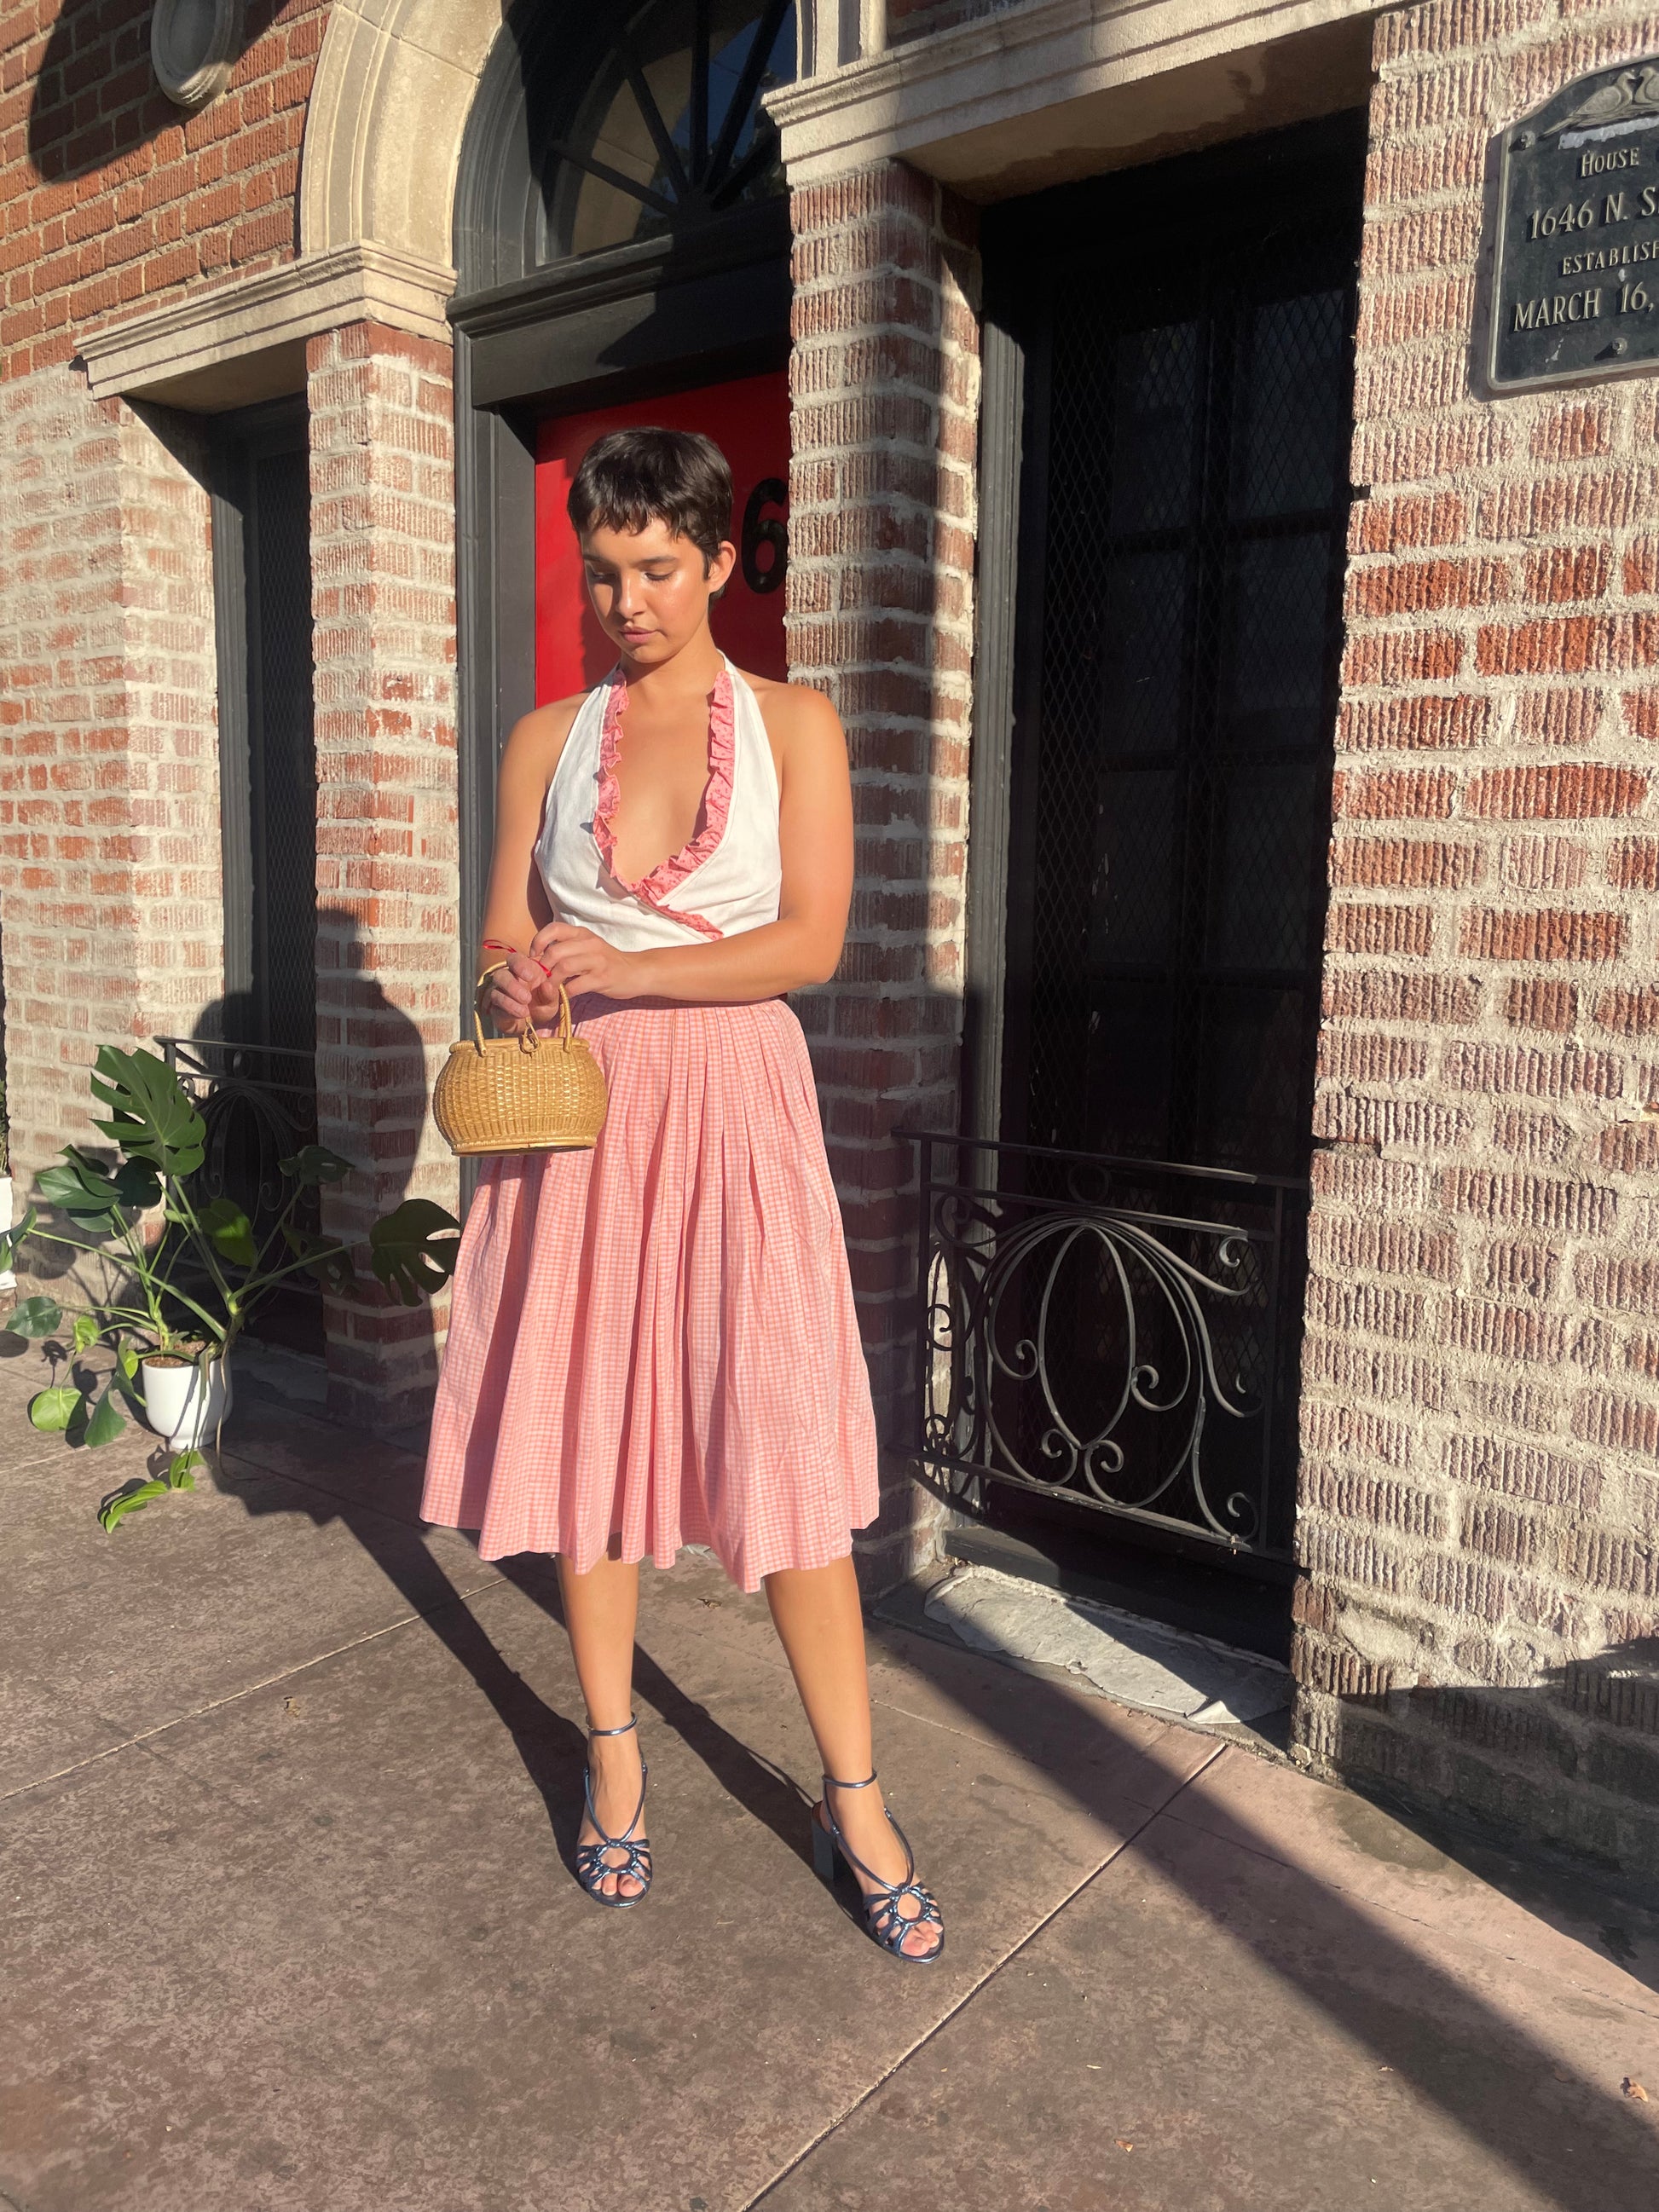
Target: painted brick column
1480,1517
110,912
383,597
885,383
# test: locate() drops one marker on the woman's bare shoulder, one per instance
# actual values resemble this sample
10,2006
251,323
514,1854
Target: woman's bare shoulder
537,739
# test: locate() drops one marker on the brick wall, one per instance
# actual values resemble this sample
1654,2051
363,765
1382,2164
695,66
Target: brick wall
383,597
885,378
1481,1493
110,198
110,900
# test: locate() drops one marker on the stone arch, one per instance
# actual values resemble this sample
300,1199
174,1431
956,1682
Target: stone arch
394,87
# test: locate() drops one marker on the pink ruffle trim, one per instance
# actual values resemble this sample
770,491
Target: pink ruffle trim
668,875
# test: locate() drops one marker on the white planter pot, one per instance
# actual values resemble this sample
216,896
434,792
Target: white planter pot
186,1403
7,1279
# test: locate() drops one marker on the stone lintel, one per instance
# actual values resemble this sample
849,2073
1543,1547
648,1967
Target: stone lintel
245,341
1057,89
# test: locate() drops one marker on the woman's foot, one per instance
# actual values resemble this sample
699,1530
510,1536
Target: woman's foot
613,1860
887,1871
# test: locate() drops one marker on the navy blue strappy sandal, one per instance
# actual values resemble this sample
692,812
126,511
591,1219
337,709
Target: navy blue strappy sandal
591,1870
887,1923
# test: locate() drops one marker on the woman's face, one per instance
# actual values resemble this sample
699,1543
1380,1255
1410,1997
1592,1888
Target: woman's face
650,589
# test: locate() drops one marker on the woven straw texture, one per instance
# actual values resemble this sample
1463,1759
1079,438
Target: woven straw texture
520,1094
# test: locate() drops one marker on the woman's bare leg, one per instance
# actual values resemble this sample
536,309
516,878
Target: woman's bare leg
820,1624
601,1609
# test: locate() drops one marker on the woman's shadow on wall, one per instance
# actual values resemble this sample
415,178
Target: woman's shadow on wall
270,1084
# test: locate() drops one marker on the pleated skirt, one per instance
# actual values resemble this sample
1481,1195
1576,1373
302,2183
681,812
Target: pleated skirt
654,1341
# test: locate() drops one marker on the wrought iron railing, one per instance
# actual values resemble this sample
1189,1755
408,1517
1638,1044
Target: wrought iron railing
259,1104
1118,1334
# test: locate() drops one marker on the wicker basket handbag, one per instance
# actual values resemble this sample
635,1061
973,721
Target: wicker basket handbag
520,1094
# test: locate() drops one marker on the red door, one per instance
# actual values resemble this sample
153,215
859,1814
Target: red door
749,419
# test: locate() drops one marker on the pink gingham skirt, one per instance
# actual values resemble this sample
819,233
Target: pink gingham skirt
655,1341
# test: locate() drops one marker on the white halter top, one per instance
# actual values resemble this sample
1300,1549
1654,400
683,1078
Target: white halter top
726,879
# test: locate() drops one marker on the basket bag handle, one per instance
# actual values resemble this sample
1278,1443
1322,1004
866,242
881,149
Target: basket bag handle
528,1039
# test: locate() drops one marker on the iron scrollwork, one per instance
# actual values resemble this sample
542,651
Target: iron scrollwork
1096,1348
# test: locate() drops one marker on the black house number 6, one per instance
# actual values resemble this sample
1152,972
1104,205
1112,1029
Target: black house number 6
760,529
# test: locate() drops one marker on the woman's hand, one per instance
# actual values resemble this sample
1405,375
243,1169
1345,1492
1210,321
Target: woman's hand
508,997
582,962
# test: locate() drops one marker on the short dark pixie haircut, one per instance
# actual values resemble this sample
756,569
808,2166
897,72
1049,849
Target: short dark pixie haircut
628,478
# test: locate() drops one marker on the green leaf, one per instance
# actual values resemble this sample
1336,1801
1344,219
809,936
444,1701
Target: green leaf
138,1184
324,1258
87,1331
229,1231
86,1193
127,1499
315,1163
34,1317
151,1118
53,1410
413,1249
106,1422
10,1239
126,1358
180,1476
91,1192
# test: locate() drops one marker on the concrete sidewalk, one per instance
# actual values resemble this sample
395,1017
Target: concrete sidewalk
290,1789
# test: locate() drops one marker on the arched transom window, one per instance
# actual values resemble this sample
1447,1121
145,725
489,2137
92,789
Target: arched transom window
670,131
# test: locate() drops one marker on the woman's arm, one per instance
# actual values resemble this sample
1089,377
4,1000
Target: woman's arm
802,946
517,908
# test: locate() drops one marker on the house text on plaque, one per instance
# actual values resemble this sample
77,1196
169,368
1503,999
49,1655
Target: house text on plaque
1576,275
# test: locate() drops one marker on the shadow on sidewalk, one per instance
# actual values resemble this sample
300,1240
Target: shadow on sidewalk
1448,2044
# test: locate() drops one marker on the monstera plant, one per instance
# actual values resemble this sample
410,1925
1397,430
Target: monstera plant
190,1272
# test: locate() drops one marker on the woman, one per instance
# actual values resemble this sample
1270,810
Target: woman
654,1342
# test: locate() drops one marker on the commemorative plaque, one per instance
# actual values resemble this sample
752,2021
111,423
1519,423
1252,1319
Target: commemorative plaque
1576,274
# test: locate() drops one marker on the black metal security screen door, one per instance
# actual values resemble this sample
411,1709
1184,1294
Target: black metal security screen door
252,1063
1111,1321
1192,398
267,751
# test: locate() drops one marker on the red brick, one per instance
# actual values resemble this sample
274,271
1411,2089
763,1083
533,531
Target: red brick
1561,793
1387,525
1538,1003
1407,588
1642,566
1380,929
1572,431
1422,722
1565,646
1393,794
1631,1147
1509,1271
1617,1424
1633,864
1493,1532
1523,1471
1394,657
1606,1561
1391,994
1566,572
1545,864
1416,864
1629,1012
1500,1068
1534,1202
1565,714
1555,934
